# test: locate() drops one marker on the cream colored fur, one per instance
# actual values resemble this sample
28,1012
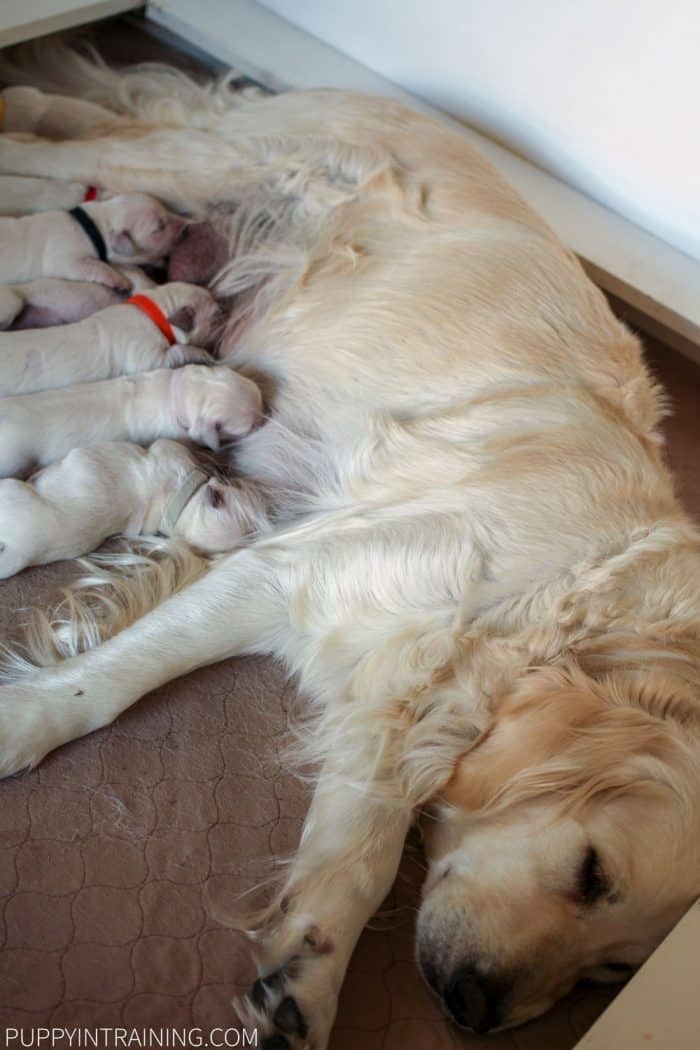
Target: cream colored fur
478,561
135,228
205,404
120,340
23,196
70,507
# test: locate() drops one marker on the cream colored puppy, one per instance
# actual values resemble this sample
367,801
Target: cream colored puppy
52,301
120,340
207,405
130,228
69,508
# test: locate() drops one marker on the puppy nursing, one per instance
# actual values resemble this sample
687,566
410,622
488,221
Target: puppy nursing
207,405
119,340
70,258
130,228
71,507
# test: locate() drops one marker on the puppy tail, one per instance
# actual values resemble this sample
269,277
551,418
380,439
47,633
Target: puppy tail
151,92
119,588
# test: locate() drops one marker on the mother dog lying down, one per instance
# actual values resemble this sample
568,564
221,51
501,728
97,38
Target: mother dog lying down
479,569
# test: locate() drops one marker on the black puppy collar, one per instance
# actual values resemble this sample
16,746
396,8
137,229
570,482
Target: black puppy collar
91,232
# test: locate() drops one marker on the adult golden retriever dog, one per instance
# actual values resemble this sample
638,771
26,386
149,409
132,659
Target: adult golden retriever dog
476,565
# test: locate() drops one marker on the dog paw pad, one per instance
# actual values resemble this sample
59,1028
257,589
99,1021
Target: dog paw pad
276,1042
289,1017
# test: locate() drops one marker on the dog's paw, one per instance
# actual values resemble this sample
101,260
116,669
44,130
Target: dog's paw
293,1006
26,735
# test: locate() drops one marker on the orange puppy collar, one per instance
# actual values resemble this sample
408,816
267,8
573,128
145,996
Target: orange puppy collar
149,308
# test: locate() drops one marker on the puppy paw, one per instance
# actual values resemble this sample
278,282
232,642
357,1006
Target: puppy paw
99,273
178,354
293,1006
10,306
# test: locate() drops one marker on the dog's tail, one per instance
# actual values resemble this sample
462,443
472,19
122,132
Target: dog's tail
119,588
150,92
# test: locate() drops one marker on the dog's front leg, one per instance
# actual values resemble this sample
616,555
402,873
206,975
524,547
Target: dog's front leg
237,607
347,862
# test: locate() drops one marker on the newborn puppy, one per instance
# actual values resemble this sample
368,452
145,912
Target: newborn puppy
24,195
71,507
131,228
26,109
119,340
219,515
208,405
53,301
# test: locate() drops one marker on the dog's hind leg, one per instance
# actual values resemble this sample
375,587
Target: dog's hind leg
28,110
176,165
237,607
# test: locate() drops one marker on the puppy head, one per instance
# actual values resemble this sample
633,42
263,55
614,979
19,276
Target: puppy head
220,515
215,405
137,229
565,846
192,312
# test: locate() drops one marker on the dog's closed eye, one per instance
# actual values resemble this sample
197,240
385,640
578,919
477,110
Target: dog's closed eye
592,883
215,497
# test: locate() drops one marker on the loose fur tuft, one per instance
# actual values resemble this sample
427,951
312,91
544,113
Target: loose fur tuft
119,587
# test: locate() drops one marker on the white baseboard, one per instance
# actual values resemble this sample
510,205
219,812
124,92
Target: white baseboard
657,280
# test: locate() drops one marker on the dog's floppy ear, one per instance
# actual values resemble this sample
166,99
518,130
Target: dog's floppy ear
183,318
532,725
559,732
661,679
122,244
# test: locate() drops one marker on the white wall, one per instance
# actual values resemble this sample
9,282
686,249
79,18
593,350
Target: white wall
604,93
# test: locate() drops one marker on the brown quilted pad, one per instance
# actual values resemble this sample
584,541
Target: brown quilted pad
122,855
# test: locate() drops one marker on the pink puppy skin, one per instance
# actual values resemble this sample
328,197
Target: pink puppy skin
52,301
197,256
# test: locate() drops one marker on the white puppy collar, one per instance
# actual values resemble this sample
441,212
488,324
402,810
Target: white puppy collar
180,498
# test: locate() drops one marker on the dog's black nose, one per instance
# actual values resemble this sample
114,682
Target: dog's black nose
472,1001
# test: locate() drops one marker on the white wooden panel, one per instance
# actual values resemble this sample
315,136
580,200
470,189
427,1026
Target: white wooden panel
656,278
660,1008
603,95
25,19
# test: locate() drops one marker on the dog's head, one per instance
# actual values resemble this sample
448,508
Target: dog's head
220,515
566,844
215,405
192,311
136,228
